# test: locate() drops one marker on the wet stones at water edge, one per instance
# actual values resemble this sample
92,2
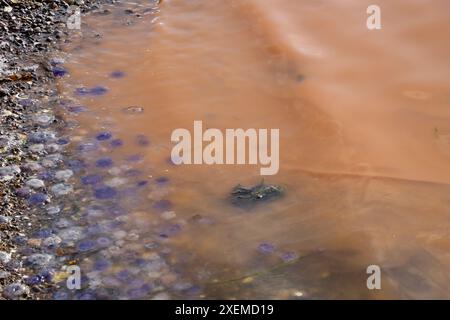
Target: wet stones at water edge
248,197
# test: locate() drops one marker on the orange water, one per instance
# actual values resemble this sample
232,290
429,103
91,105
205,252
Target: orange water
364,137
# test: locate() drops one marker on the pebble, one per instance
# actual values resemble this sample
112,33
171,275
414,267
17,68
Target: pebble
15,290
5,219
133,110
37,148
39,260
53,210
64,174
35,183
4,274
44,119
53,147
168,215
61,189
161,296
9,172
52,241
70,234
52,160
5,257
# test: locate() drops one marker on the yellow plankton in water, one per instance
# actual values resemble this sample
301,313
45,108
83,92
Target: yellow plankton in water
248,280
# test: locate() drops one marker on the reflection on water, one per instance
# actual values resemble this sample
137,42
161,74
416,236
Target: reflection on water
363,118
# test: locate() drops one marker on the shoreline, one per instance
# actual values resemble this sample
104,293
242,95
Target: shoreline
30,140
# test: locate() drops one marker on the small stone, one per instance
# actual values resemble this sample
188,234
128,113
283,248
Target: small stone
4,220
64,174
168,215
70,234
37,148
9,172
161,296
35,183
44,119
5,257
53,147
15,290
4,274
61,189
133,110
53,210
51,241
23,192
39,260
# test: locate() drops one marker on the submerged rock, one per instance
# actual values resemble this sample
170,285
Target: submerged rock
247,197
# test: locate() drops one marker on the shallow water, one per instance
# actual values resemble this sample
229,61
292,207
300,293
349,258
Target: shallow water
364,146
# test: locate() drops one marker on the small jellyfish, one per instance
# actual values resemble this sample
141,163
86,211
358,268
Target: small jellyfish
63,141
104,162
82,91
162,180
61,295
98,91
142,140
85,245
76,109
59,71
123,275
266,248
91,179
170,231
101,265
134,158
104,242
105,193
142,183
132,173
163,205
76,164
37,198
117,74
289,256
116,143
102,136
43,233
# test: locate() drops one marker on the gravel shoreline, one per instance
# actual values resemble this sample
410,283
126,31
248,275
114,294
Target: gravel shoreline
29,138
